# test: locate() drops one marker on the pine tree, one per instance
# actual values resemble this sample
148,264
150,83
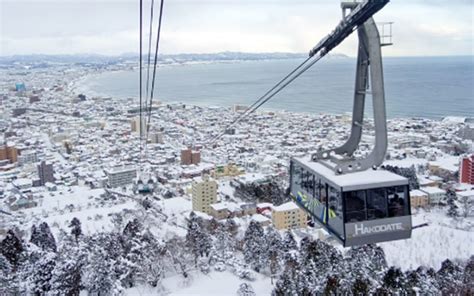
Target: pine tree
422,280
8,280
394,280
274,251
41,266
289,242
43,238
451,201
67,274
98,276
449,278
468,278
224,244
11,247
245,290
197,239
366,263
255,250
75,226
133,228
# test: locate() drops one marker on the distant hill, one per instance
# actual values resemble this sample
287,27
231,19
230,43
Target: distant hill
166,58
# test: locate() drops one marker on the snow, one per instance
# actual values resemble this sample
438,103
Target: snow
431,245
406,162
432,190
468,194
417,192
259,218
214,283
289,206
450,163
357,180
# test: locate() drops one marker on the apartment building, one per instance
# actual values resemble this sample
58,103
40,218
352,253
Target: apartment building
466,170
418,199
45,173
121,176
288,216
204,192
435,194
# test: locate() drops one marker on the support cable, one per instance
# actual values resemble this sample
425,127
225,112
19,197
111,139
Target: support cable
303,67
152,92
149,51
140,86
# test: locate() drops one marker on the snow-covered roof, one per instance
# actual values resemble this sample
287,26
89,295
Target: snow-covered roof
468,193
353,181
259,218
417,192
289,206
433,190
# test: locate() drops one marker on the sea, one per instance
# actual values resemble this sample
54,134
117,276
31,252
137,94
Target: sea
429,87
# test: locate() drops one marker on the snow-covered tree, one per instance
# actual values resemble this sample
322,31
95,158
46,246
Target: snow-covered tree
365,264
394,281
224,244
197,239
67,274
255,247
245,290
75,227
274,251
289,242
8,279
11,248
422,280
98,277
468,278
40,271
43,238
450,278
451,201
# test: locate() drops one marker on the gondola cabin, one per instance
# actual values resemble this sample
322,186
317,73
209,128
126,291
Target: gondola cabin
359,208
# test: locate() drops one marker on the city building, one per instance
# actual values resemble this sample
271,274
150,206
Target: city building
466,170
10,153
135,125
204,192
418,199
27,157
45,173
189,157
121,176
435,194
157,138
288,216
230,170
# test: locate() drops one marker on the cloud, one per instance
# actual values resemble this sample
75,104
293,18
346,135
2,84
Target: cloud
431,27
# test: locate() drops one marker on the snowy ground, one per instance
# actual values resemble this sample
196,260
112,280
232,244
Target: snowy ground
431,245
214,283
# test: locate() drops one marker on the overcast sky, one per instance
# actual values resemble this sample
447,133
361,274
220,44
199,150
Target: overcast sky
422,27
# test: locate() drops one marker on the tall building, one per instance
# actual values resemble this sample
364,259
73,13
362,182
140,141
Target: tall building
45,173
135,125
190,157
204,191
466,171
10,153
121,176
288,216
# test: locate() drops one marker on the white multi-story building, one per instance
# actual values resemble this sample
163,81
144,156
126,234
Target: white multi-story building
121,176
435,194
27,157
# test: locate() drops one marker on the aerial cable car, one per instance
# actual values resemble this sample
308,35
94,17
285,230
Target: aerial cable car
356,203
